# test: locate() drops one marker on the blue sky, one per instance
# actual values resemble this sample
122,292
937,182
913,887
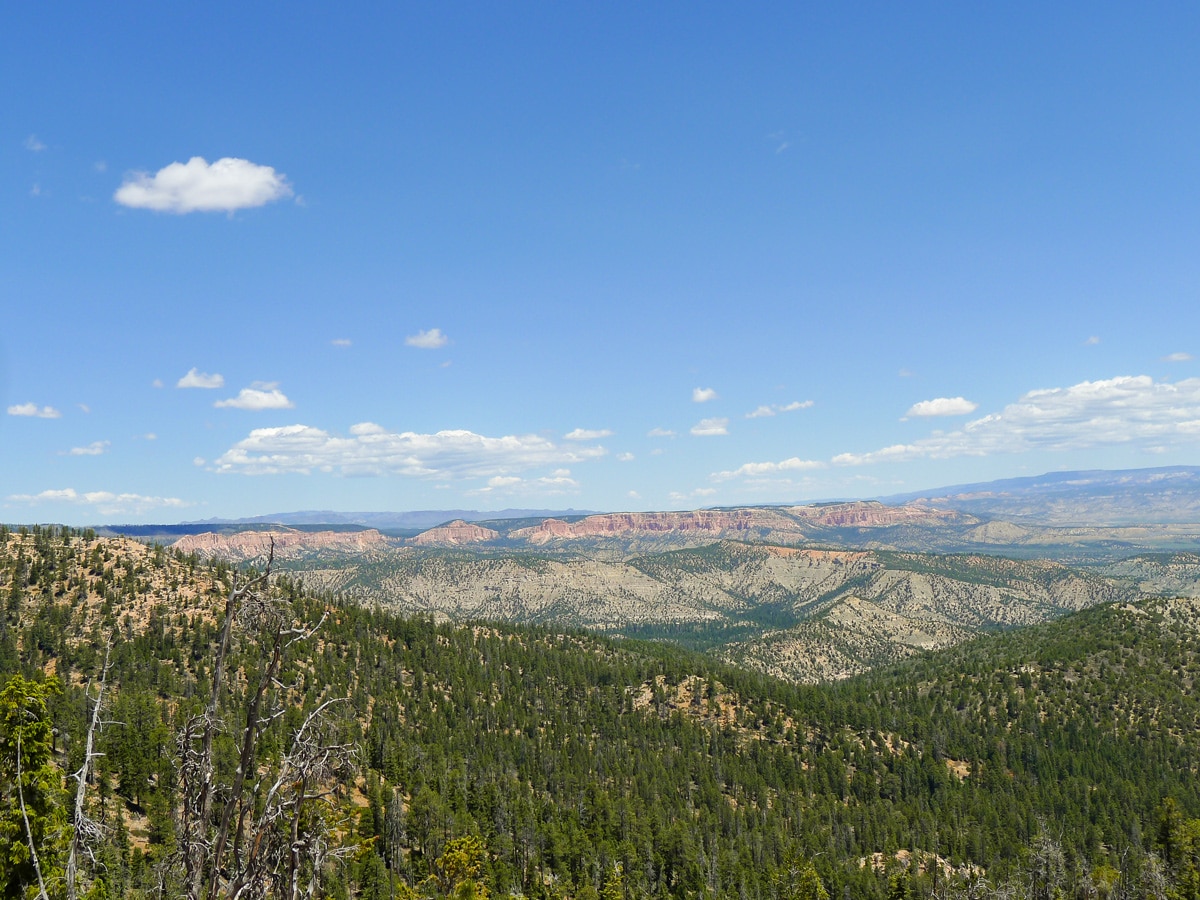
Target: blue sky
615,256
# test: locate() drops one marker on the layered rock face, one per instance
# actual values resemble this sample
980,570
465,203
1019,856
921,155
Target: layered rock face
454,534
715,522
289,544
869,514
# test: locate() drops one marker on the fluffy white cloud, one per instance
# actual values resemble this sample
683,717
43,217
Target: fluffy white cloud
226,185
1086,415
703,395
625,457
197,379
942,406
32,409
95,448
371,449
1178,357
711,427
660,432
105,502
262,395
763,412
764,469
585,434
427,340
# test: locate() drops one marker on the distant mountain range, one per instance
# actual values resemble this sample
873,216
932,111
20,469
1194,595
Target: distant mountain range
1167,495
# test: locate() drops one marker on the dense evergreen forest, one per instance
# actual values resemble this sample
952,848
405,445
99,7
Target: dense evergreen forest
320,748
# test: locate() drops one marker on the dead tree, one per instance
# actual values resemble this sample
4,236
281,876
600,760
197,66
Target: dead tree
269,830
86,831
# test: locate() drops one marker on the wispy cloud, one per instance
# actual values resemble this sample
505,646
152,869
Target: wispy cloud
33,144
427,340
625,457
585,434
197,379
371,449
703,395
941,406
765,411
711,427
557,482
660,433
1092,341
764,469
1178,357
95,448
261,395
227,185
1090,414
680,496
341,342
32,409
105,503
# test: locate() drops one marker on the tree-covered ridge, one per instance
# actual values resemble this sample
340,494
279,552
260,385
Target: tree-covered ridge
572,765
806,613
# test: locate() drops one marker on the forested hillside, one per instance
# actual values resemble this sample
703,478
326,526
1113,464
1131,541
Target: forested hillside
408,758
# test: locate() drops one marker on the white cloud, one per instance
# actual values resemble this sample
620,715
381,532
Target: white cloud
584,434
100,165
1092,341
703,395
1178,357
557,482
942,406
660,432
341,342
84,407
262,395
427,340
149,436
33,144
625,457
373,450
105,502
711,427
763,412
32,409
157,383
1086,415
906,373
95,448
197,379
227,185
696,492
634,495
762,469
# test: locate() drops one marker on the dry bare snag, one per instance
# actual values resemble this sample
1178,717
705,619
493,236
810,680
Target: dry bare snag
264,829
